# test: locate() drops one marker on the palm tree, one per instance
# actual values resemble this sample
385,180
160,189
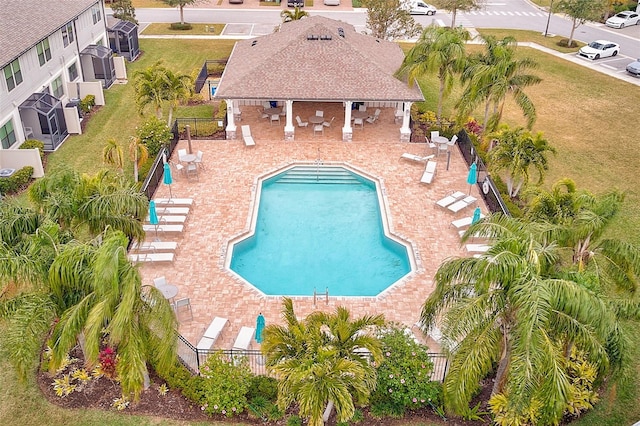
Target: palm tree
556,206
510,307
139,155
317,362
440,50
112,154
491,76
293,15
179,87
517,152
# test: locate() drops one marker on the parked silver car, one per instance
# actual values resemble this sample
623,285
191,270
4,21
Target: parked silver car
634,68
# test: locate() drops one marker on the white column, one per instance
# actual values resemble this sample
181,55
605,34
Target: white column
231,124
289,129
347,131
405,131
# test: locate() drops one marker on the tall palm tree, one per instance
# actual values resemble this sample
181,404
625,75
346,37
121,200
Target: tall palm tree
293,15
139,155
558,205
493,75
510,307
440,50
112,154
517,152
317,364
179,87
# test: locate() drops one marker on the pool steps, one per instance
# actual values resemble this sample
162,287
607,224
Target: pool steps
322,175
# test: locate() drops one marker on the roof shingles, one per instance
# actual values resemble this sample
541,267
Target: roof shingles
288,65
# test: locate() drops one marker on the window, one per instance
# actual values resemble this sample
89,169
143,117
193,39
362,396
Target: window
44,51
7,135
95,13
12,75
67,34
56,87
73,71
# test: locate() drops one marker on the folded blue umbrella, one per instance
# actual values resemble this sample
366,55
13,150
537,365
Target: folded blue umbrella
167,178
260,322
476,215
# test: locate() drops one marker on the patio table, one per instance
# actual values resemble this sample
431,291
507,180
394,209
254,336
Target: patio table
316,119
189,158
273,111
359,114
169,291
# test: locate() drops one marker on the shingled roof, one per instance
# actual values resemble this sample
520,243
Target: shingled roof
26,22
315,58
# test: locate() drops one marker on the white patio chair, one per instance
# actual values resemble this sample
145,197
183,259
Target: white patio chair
319,113
328,123
374,117
434,134
262,113
362,108
358,122
301,123
183,303
198,160
275,117
237,114
160,281
318,128
181,154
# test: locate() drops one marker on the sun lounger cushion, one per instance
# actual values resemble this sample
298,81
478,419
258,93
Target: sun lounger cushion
429,172
212,333
477,248
464,222
450,199
162,228
156,246
172,210
151,257
174,202
465,202
243,341
170,219
413,157
246,136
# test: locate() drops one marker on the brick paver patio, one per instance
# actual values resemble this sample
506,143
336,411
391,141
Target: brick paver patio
223,195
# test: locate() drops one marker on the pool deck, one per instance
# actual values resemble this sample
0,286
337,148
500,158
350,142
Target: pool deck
223,195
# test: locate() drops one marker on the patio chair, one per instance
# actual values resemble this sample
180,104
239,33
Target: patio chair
374,117
462,204
319,113
434,134
301,123
183,303
237,114
212,333
266,104
362,108
429,172
318,128
181,153
275,117
246,136
358,122
160,281
328,123
179,168
192,170
398,114
450,199
198,160
262,113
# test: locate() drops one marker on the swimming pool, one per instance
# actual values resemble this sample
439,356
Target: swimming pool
319,228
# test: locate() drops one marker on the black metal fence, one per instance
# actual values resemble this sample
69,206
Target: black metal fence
200,128
486,186
193,358
206,70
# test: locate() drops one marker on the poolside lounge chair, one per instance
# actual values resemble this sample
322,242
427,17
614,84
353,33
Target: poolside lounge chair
157,246
162,228
212,333
172,210
429,172
417,158
463,222
173,202
151,257
450,199
170,219
245,336
477,248
461,204
246,136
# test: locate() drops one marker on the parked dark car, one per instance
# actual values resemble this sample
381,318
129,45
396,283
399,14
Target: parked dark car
295,3
236,1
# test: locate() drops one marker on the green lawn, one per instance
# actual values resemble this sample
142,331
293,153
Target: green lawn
588,117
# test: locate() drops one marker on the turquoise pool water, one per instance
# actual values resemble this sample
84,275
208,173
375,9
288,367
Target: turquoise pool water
319,228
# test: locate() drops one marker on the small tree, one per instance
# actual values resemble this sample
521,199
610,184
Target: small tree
390,19
112,154
180,4
123,9
139,155
154,134
455,6
581,11
293,15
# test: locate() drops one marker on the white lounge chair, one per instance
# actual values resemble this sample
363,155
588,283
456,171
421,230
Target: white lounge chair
477,248
246,136
300,122
429,172
170,219
461,204
450,199
245,336
157,246
173,202
417,158
151,257
172,210
212,333
463,222
162,228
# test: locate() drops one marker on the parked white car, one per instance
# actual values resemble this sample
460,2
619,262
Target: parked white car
332,2
599,49
634,68
623,19
421,8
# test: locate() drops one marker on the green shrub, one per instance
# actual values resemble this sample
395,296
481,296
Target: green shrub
181,27
404,376
34,143
294,421
17,181
87,103
143,170
226,383
155,134
222,110
263,386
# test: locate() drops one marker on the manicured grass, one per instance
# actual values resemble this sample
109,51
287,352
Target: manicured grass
534,37
197,29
